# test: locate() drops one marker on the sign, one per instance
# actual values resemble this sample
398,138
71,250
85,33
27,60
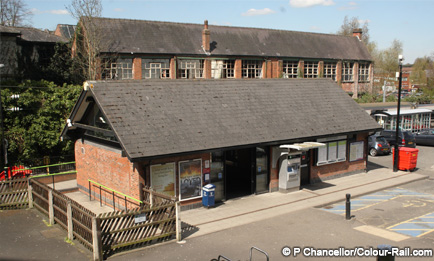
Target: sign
190,179
356,150
163,178
140,218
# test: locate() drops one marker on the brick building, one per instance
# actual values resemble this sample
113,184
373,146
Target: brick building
137,49
178,135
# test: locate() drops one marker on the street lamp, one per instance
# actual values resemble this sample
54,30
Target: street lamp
399,75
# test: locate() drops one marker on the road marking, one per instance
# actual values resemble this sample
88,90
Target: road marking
415,228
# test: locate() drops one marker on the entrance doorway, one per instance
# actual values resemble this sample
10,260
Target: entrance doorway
238,170
305,168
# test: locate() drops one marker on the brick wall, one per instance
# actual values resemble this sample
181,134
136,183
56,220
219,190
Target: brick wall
107,167
137,68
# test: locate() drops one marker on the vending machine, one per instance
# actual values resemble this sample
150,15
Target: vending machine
289,172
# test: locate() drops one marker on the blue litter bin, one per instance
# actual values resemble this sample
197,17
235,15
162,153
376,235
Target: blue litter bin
208,195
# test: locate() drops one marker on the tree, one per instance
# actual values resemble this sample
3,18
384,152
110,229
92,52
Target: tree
349,25
14,13
88,35
422,69
33,132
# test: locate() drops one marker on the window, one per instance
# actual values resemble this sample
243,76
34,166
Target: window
155,68
190,69
347,72
119,69
95,118
334,151
310,69
252,69
330,70
290,69
222,69
363,72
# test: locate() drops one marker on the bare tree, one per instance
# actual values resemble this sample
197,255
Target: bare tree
349,25
88,35
14,13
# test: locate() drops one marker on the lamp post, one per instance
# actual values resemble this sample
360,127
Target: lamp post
396,156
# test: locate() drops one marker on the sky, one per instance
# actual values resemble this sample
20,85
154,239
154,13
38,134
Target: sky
409,21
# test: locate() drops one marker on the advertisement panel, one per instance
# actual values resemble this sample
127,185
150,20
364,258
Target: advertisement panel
163,178
190,179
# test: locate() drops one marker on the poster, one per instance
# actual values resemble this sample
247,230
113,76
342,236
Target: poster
190,179
356,150
163,178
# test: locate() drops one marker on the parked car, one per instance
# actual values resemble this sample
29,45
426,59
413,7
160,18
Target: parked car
425,137
406,138
378,145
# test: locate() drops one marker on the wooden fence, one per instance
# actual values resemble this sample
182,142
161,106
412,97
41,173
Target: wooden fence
107,233
66,212
14,194
123,230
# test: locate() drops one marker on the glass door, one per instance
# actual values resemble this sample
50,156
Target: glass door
261,169
217,175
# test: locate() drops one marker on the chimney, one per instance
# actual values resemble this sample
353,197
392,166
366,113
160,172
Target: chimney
206,37
357,32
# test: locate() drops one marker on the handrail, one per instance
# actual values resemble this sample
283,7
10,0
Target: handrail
52,174
112,190
46,166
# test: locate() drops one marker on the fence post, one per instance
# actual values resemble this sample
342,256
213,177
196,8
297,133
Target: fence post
96,239
178,222
50,206
151,197
30,195
70,224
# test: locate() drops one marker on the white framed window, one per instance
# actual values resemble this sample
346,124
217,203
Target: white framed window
347,72
222,69
290,69
334,151
363,72
310,69
155,68
190,69
330,70
119,69
252,68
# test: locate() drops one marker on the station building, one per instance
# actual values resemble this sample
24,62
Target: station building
178,135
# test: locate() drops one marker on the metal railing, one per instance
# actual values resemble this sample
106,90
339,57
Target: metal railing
127,200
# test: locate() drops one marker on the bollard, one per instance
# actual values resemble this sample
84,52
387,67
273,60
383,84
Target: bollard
387,253
348,207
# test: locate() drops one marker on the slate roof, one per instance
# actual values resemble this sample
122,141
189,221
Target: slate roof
150,37
155,118
8,30
32,34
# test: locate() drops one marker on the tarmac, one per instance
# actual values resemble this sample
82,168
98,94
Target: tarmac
252,208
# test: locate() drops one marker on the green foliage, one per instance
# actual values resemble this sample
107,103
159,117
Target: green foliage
34,131
369,98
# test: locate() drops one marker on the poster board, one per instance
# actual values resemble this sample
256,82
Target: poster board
356,150
190,179
163,178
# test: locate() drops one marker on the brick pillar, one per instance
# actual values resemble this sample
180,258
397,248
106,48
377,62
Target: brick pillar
321,69
300,69
371,78
238,69
173,68
266,69
339,72
207,69
137,68
356,80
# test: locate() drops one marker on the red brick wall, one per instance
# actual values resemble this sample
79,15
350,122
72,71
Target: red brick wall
106,167
238,69
137,68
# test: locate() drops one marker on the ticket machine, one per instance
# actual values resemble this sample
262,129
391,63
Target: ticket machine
289,172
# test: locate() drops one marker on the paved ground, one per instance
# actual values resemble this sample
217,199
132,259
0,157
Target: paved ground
25,236
269,221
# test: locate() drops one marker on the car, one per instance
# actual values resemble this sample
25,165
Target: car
406,138
378,145
425,137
